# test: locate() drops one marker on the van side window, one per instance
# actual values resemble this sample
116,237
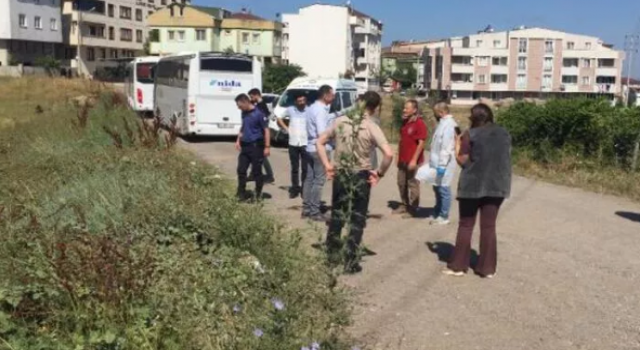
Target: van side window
346,99
336,106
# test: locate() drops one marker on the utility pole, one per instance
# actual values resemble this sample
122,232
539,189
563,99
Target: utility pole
631,42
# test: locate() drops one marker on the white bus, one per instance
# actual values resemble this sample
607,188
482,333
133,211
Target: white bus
197,91
139,83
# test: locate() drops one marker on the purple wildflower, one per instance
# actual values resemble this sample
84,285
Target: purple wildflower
258,332
304,348
315,346
237,308
278,304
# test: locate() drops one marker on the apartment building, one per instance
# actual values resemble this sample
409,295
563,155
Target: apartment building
403,54
522,63
29,29
98,32
197,28
351,44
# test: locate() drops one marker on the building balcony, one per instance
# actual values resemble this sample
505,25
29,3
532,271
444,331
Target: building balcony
570,71
607,71
459,85
500,69
462,68
362,61
89,17
498,87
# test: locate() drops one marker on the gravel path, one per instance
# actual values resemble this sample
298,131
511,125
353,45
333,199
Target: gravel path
568,270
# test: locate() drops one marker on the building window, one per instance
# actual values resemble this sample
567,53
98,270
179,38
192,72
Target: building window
245,38
139,15
522,63
496,43
74,27
54,24
548,64
499,61
570,79
111,10
587,46
139,35
548,46
163,2
482,79
256,38
570,62
91,54
22,20
521,82
547,81
586,80
181,35
112,33
126,34
522,46
150,13
37,22
172,35
586,63
483,61
606,63
125,12
201,35
114,53
103,54
478,43
498,78
571,45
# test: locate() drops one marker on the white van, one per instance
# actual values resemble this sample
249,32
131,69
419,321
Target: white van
139,83
198,90
346,97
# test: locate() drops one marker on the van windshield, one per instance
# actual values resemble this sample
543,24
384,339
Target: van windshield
288,99
145,72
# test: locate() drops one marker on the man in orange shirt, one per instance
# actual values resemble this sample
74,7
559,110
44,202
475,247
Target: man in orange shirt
413,136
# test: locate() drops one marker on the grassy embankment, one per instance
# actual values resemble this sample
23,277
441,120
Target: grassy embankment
112,239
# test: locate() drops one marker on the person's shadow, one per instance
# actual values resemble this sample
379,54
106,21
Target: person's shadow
422,213
635,217
444,251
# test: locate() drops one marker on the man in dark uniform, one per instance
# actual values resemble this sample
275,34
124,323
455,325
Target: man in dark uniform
254,146
256,98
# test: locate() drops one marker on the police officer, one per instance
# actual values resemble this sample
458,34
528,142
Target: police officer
254,145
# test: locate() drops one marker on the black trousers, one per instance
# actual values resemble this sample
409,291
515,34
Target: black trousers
250,154
298,158
350,191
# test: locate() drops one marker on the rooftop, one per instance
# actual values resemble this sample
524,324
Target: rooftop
247,16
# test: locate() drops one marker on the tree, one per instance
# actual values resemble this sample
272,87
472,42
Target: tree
405,74
276,77
229,50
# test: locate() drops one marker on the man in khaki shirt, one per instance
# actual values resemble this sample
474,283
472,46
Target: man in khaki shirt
353,176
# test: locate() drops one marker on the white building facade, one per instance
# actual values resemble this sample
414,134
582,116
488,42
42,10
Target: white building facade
29,29
351,45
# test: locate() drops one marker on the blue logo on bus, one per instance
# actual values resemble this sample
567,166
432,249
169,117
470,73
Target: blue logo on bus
225,83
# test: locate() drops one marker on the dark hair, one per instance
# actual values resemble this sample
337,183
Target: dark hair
242,98
298,95
413,102
254,92
481,114
371,100
324,90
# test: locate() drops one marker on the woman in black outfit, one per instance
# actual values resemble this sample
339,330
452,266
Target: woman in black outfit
484,153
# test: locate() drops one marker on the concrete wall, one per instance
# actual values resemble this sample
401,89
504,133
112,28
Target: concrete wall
46,10
320,49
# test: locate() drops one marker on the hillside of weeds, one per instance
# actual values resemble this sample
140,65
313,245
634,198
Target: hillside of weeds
112,239
584,143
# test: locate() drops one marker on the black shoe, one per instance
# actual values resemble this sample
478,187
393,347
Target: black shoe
305,216
294,193
269,180
352,268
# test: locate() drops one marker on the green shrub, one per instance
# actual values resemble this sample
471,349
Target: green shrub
141,247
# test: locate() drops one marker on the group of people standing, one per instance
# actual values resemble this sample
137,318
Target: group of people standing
319,141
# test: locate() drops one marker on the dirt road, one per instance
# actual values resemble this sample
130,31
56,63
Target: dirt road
568,270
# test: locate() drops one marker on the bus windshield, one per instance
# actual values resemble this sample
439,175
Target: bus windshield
288,99
145,72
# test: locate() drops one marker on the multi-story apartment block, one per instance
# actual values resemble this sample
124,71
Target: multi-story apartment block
97,32
195,28
522,63
352,44
403,54
29,29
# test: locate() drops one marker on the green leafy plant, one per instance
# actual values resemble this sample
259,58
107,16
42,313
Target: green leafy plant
276,77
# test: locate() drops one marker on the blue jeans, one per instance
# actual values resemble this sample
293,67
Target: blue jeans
443,202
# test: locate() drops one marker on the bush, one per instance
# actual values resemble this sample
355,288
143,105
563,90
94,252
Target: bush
139,246
585,128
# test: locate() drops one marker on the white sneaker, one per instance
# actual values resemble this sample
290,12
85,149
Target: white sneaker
449,272
440,222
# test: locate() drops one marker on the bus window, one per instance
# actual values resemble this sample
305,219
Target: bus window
145,72
226,65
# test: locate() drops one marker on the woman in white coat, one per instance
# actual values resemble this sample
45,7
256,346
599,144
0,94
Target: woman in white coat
442,158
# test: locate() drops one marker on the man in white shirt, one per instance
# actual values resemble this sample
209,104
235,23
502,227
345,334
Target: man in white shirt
297,130
318,120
